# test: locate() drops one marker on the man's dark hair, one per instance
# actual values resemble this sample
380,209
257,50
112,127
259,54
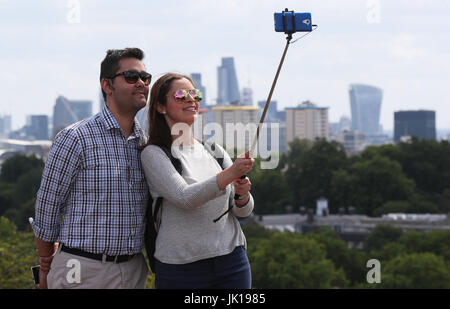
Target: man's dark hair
110,65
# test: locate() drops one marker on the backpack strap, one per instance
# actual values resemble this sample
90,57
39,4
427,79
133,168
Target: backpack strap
157,210
219,156
175,162
214,151
153,215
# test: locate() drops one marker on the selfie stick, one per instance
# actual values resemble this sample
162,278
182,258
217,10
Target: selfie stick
266,107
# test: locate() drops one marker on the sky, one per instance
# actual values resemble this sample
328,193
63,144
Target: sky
54,47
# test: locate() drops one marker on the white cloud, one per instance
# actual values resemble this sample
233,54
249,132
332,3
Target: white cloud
405,47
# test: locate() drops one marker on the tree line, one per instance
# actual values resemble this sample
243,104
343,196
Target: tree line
407,177
321,260
318,260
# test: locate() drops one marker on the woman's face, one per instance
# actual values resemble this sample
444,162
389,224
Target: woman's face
180,110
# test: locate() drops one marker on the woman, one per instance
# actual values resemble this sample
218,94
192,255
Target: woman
192,249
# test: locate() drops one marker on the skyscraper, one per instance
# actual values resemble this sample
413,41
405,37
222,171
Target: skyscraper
5,125
197,79
37,127
247,96
365,102
66,112
421,123
227,87
272,114
306,121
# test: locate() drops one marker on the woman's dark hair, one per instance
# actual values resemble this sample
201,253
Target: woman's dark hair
110,65
158,130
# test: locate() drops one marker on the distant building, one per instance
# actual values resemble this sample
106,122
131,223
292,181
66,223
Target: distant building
272,114
233,120
247,96
67,112
353,229
197,79
345,123
365,103
273,137
354,141
10,147
227,87
273,117
5,125
37,127
306,121
421,123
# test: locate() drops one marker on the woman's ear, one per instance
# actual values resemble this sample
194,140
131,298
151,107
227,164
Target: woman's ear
161,108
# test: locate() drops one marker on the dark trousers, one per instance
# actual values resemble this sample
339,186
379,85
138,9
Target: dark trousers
231,271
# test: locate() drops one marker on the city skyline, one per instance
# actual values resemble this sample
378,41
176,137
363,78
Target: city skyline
401,48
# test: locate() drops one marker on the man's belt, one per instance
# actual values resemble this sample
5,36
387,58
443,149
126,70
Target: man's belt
97,256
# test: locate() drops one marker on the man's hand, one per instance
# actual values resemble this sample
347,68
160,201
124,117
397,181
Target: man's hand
46,252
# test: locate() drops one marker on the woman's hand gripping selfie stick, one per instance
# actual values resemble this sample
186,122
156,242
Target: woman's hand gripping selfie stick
263,116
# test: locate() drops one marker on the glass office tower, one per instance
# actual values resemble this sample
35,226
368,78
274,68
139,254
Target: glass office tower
421,123
227,87
365,102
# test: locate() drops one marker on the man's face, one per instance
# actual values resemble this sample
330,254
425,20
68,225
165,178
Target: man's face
129,97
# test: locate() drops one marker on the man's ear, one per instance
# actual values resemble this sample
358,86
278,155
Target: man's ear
107,86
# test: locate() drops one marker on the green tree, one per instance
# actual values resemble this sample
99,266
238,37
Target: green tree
17,255
378,180
444,201
289,260
416,271
342,188
17,165
352,262
392,207
7,196
389,251
269,189
381,235
20,180
19,215
28,184
437,242
426,162
310,171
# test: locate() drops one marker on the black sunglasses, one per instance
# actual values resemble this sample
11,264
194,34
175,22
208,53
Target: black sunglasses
132,76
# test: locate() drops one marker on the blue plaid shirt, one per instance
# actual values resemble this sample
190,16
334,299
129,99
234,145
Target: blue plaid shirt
93,192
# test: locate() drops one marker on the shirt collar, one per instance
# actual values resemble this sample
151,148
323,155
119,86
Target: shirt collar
110,122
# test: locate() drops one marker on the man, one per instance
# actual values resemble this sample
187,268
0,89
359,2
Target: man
93,193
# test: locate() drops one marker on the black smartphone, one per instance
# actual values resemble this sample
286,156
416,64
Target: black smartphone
35,272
